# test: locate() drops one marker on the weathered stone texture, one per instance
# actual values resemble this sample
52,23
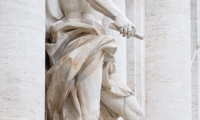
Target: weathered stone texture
22,59
198,53
168,60
136,51
194,61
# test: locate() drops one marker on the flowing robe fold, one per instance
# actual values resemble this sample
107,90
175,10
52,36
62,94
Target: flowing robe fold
71,51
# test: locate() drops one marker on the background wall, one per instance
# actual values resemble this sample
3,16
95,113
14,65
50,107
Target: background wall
168,60
167,26
136,51
194,60
22,59
198,55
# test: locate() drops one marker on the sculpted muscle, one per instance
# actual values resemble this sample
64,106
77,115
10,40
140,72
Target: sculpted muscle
72,8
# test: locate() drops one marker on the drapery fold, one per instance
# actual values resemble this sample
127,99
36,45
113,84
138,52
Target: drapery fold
72,52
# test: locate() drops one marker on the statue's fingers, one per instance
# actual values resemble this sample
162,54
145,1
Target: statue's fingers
134,28
125,31
129,34
129,31
132,33
121,30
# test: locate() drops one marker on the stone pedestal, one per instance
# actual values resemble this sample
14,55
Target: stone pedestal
22,59
168,60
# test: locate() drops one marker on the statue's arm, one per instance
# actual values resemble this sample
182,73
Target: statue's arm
110,9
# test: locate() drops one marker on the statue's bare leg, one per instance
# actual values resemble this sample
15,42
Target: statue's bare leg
127,107
89,92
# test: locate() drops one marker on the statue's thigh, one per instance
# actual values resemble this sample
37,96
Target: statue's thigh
89,91
127,107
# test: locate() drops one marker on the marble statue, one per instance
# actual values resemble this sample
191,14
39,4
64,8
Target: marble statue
81,83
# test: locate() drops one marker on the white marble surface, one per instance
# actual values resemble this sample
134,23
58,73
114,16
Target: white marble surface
194,63
22,59
136,51
130,47
83,60
120,55
168,57
198,54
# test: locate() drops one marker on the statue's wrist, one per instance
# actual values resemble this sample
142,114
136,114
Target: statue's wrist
119,16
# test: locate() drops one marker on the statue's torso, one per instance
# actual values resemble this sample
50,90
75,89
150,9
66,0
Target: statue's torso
79,9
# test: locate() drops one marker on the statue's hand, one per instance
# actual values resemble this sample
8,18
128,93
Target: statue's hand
125,26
